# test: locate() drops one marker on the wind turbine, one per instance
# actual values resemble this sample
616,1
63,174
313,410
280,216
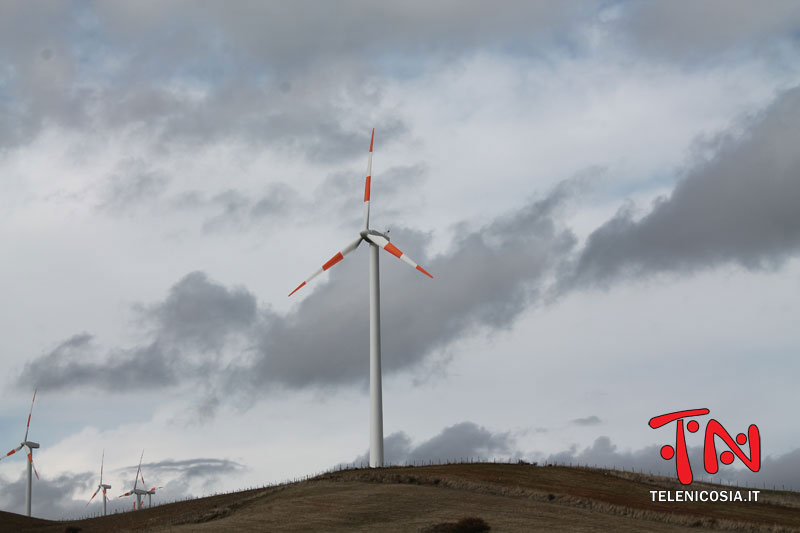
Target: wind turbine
138,492
101,486
31,446
376,241
149,492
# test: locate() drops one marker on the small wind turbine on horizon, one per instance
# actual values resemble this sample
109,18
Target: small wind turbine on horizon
376,241
101,486
137,491
150,492
31,446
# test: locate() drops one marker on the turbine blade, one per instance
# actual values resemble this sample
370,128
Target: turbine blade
384,243
29,417
138,470
12,452
30,458
332,261
102,459
368,182
93,495
126,494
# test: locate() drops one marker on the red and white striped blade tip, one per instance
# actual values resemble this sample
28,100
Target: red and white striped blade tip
92,498
384,243
12,452
30,458
424,271
298,288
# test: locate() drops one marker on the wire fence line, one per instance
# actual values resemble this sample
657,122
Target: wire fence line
361,465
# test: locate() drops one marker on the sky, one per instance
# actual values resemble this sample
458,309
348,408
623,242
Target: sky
606,194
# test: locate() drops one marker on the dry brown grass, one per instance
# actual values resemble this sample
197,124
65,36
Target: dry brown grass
507,497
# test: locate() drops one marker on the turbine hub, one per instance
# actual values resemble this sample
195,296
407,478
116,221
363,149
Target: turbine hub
366,232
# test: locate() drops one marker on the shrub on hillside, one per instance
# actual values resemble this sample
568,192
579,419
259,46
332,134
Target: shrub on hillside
470,524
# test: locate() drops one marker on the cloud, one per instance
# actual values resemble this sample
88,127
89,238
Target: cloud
604,453
704,31
740,206
132,185
776,471
193,73
50,497
201,315
588,421
66,495
204,473
500,263
737,206
70,365
187,329
463,441
484,282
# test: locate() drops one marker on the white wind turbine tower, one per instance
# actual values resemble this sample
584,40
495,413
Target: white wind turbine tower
101,486
376,240
137,491
31,446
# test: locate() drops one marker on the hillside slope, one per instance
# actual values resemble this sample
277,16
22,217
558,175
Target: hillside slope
507,497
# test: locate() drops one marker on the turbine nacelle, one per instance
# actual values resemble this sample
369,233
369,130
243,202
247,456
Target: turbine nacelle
366,232
29,444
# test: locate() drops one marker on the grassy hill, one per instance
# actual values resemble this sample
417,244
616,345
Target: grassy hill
508,497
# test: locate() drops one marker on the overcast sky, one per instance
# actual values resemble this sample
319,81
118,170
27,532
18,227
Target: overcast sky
606,193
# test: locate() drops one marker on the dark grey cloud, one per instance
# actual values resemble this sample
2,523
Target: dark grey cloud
178,475
188,329
740,206
460,442
592,420
268,35
195,468
201,315
603,453
776,471
191,73
73,363
707,31
235,210
487,279
335,198
484,282
134,183
113,71
66,496
51,498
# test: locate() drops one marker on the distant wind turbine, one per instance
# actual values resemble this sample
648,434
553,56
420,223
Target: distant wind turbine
149,492
376,240
101,486
137,491
31,446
